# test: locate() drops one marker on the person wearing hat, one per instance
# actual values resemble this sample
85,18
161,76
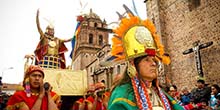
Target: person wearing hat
89,98
50,49
101,96
35,96
136,42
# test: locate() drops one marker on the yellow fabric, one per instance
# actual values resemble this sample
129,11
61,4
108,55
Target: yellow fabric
66,82
124,100
15,106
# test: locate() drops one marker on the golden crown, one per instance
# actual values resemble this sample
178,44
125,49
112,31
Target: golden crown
135,37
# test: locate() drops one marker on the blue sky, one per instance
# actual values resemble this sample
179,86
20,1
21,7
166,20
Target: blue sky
18,30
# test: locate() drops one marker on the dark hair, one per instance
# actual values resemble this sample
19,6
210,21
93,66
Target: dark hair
123,80
174,86
201,81
216,87
137,61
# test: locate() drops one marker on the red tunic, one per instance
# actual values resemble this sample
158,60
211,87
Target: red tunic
77,104
100,104
19,98
89,100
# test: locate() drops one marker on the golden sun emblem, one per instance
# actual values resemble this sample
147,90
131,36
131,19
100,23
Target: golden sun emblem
52,43
143,36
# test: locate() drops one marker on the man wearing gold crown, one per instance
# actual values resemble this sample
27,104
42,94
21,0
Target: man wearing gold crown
137,43
50,50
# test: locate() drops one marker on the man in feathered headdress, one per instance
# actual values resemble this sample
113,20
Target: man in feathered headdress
137,43
50,50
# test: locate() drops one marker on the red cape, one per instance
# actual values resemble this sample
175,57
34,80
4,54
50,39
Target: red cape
41,51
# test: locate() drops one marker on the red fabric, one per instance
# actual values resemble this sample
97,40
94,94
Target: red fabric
90,99
41,50
100,106
188,107
21,96
107,94
78,102
150,52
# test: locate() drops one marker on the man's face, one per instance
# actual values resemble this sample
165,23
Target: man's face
200,85
36,79
148,68
50,31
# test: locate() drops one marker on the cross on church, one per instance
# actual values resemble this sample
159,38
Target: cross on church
197,46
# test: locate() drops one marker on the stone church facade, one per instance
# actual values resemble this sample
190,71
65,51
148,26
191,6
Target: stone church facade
92,49
90,40
181,23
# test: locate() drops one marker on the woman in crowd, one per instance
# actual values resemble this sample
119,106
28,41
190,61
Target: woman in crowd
214,102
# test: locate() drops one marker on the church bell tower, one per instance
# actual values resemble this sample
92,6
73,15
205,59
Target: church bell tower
91,38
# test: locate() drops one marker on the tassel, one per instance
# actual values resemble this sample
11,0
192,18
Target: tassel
27,87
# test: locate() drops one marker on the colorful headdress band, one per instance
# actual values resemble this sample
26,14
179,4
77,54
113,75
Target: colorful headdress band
135,37
26,82
99,85
33,68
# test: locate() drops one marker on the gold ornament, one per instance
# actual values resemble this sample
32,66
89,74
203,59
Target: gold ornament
131,70
134,38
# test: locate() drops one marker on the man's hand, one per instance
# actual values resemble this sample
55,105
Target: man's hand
42,90
38,12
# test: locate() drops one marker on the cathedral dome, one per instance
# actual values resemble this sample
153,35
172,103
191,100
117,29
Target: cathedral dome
92,15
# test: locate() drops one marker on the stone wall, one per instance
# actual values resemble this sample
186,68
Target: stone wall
182,22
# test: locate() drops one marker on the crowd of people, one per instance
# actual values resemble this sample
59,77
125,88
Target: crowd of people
36,95
95,98
203,97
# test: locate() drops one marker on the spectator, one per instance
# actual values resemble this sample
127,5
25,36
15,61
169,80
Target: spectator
202,92
214,102
185,96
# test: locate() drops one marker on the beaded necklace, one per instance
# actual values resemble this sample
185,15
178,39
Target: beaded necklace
142,97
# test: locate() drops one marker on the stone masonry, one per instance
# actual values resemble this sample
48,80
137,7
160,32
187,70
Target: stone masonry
180,23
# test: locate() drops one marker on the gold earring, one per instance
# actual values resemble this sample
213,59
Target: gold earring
131,70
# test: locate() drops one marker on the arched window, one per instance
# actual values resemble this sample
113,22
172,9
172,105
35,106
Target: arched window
90,38
95,25
103,81
193,4
118,69
100,39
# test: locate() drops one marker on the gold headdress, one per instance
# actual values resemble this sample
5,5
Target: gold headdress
51,24
135,37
